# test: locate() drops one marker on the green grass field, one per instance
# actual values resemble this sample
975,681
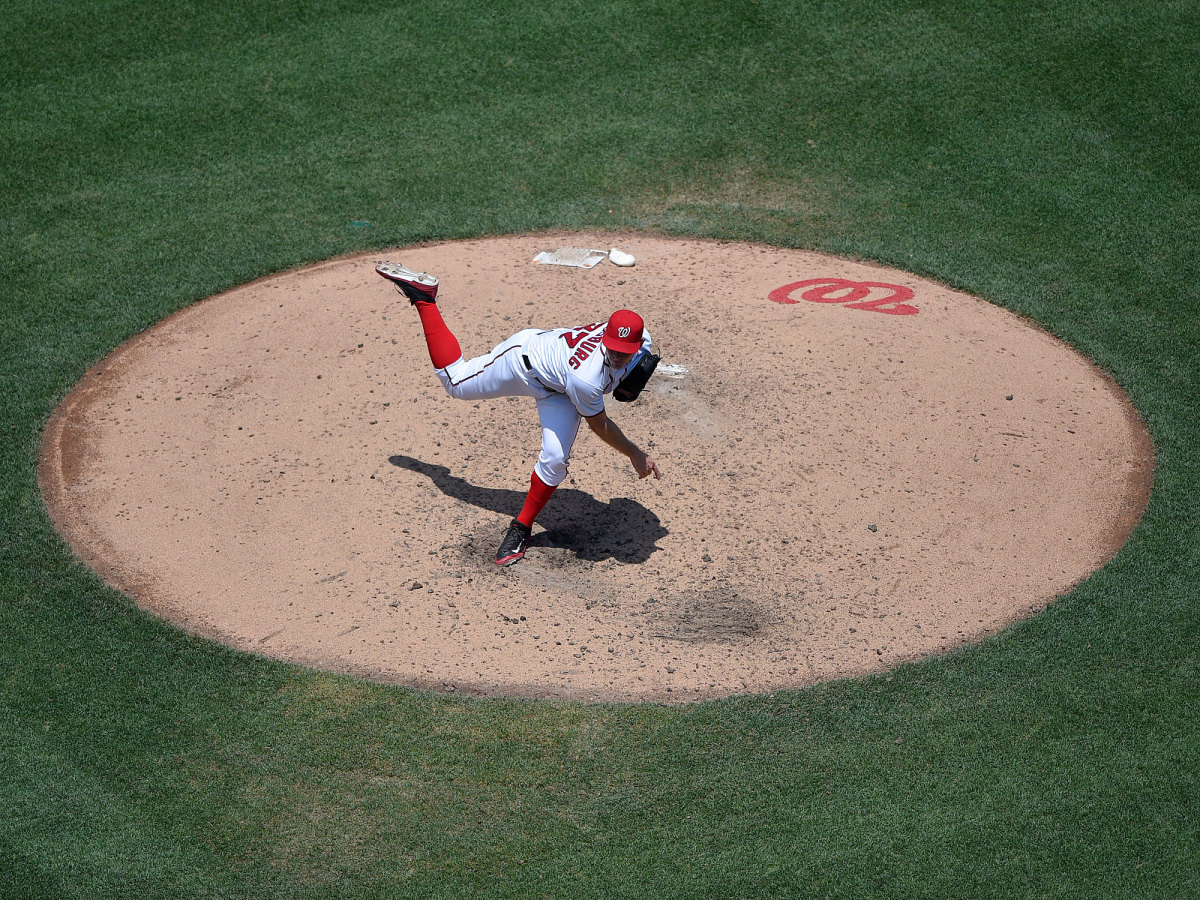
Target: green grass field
1045,156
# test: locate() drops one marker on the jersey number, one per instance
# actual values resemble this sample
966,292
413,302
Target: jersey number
576,335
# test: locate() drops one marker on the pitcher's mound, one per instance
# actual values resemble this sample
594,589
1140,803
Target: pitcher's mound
859,467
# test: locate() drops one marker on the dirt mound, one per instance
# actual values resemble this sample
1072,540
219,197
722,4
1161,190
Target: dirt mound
860,467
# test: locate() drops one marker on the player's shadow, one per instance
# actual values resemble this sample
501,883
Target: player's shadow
623,530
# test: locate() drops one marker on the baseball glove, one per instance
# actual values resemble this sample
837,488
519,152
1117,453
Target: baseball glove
633,383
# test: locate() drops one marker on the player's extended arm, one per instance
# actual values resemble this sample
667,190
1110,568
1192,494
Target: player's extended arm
606,429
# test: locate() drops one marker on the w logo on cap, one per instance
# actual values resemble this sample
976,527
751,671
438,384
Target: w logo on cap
624,332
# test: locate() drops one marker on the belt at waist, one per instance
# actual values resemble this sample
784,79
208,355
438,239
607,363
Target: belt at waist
538,381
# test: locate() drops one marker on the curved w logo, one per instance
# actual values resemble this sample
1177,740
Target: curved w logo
875,296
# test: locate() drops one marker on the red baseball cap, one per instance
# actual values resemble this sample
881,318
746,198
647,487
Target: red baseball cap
624,332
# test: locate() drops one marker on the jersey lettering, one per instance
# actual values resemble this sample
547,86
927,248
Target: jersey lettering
584,351
583,345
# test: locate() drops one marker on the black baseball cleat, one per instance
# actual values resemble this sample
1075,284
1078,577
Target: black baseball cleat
414,285
516,540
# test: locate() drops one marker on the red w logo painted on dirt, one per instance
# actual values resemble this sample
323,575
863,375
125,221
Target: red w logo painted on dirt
875,296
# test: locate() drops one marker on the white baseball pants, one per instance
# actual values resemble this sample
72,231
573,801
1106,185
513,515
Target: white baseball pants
502,373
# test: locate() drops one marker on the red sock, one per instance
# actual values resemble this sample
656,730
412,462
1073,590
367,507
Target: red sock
539,494
443,346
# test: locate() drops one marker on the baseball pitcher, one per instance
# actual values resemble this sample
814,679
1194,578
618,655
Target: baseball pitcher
566,370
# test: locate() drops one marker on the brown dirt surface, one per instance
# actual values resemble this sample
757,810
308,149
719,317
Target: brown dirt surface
845,486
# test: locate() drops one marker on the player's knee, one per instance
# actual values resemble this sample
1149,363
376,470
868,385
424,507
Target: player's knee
552,469
446,377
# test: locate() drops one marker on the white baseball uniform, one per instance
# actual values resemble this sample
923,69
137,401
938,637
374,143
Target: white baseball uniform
563,369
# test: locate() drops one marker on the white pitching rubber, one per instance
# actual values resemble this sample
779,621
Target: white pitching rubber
670,370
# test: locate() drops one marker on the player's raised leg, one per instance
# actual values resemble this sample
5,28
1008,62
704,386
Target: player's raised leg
416,286
421,290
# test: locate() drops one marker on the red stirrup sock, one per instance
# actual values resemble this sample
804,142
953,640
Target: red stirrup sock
443,345
539,494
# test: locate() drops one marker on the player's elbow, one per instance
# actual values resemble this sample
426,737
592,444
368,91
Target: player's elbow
598,423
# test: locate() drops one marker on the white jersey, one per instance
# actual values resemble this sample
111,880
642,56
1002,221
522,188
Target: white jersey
563,370
571,361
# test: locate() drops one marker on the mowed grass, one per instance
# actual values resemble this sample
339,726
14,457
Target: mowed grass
1044,156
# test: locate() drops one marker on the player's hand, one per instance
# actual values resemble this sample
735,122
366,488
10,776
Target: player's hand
646,466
